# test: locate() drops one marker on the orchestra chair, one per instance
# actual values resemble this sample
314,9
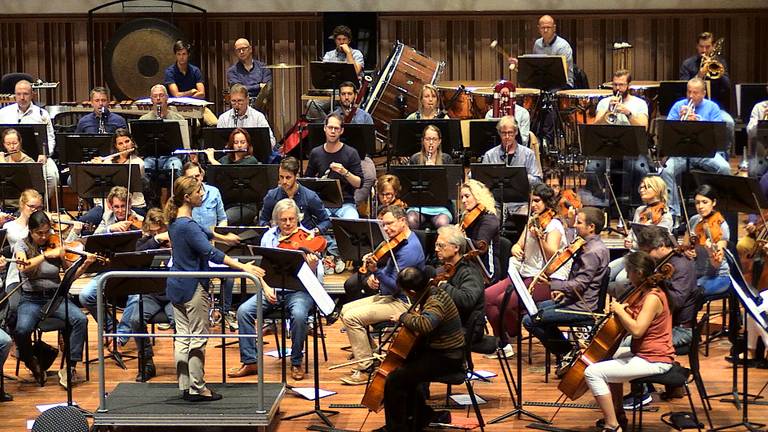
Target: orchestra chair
533,144
51,324
9,80
278,316
61,419
727,304
676,376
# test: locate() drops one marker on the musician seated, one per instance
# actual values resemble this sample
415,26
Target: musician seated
759,113
569,202
511,154
481,224
711,238
343,53
239,141
39,266
248,71
5,348
654,211
184,79
430,154
154,235
12,150
521,115
429,105
241,115
286,233
626,109
101,120
17,230
406,251
347,98
579,293
442,354
309,203
159,96
649,321
388,190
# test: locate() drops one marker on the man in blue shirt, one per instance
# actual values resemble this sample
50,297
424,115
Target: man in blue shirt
186,80
248,71
100,121
347,96
342,36
310,204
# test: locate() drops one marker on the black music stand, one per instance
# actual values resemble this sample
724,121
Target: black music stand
690,138
428,185
544,72
260,139
483,136
508,184
405,136
34,138
748,96
249,236
241,184
356,237
156,138
282,268
82,147
15,178
329,190
734,193
362,137
95,180
330,75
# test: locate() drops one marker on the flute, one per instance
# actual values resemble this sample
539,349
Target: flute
195,151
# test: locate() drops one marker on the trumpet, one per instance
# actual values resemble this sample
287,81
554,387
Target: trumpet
611,117
196,151
690,111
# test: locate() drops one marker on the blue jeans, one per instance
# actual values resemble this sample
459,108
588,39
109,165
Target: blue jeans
29,316
346,211
165,163
298,306
152,306
88,300
544,326
5,347
713,285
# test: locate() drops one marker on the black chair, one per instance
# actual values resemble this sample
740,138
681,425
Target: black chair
9,80
727,303
675,377
463,377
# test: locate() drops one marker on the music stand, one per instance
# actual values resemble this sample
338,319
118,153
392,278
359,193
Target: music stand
747,96
249,236
241,184
329,190
734,193
508,184
34,138
690,138
15,178
405,136
260,139
483,136
356,237
428,185
94,180
361,137
282,267
156,138
610,141
82,147
109,244
330,75
545,72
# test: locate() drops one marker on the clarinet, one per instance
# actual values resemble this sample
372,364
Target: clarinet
235,117
159,111
102,121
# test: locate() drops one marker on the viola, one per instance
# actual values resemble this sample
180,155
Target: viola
709,225
383,250
471,216
568,199
608,334
653,213
74,250
301,239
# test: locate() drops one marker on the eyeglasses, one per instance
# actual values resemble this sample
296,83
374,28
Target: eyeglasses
242,49
507,133
333,128
441,245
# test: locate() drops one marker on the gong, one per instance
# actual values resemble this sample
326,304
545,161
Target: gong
137,55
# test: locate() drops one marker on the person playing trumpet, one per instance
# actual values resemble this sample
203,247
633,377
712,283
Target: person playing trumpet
623,108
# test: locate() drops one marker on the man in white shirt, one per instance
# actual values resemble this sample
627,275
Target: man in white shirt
241,114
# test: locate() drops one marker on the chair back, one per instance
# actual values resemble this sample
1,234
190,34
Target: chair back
9,80
603,294
504,253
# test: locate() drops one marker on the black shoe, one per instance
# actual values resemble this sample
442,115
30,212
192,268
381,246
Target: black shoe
332,317
740,361
623,422
6,397
37,371
148,373
200,398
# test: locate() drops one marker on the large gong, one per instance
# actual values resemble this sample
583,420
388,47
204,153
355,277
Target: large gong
137,55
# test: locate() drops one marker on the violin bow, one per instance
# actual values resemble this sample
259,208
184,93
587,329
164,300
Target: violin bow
616,203
685,212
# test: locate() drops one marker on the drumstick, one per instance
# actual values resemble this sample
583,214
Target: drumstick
508,56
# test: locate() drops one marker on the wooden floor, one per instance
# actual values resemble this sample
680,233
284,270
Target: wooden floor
716,372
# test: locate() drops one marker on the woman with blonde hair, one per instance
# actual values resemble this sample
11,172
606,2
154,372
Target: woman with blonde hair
429,104
480,224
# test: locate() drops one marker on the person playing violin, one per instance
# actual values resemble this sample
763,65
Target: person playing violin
649,321
388,190
117,217
480,224
430,154
286,233
387,298
39,266
579,293
442,352
568,201
712,233
17,230
540,242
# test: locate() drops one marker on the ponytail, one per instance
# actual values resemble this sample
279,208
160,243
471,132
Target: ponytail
181,187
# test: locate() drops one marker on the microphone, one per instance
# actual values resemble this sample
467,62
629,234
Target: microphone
159,111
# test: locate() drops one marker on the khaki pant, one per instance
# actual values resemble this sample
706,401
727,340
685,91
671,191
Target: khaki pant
191,318
359,314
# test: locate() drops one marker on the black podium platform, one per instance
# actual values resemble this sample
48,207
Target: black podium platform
160,404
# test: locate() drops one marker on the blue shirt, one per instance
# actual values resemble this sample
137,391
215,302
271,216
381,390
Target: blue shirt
192,250
211,211
336,56
706,110
408,254
361,116
89,123
310,205
186,81
271,238
237,74
558,46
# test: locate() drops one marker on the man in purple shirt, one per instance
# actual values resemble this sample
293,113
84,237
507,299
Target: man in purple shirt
248,71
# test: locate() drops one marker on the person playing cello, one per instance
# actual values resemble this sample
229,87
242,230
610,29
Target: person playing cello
649,321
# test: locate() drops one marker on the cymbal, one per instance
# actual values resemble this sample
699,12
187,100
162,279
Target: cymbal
283,66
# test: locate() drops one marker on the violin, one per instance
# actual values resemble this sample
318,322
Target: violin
608,334
653,213
568,199
471,216
136,223
558,260
74,250
301,239
543,219
709,228
382,251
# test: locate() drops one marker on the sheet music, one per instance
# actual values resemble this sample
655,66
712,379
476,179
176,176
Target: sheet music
315,289
521,289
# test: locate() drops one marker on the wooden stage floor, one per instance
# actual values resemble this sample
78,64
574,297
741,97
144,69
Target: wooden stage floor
716,372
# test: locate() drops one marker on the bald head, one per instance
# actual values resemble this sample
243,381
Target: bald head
547,19
243,50
547,28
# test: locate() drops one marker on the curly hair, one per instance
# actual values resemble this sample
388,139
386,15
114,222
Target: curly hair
482,194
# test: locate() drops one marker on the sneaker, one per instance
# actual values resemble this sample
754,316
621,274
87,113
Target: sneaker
630,403
508,352
339,266
297,373
231,320
355,378
164,326
76,378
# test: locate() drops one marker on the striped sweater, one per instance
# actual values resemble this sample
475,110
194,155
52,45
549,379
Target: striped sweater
439,323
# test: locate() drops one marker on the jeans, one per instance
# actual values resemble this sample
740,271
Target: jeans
152,306
88,300
298,305
29,316
544,326
164,163
346,211
5,347
714,285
